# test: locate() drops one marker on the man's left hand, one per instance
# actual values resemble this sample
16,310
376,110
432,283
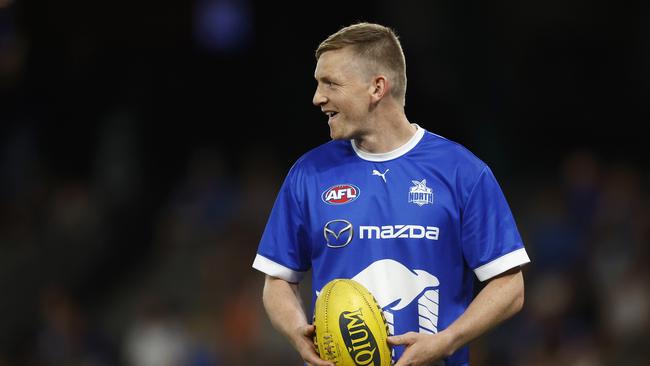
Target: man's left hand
421,349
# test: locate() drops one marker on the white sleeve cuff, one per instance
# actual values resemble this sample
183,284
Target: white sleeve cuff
502,264
274,269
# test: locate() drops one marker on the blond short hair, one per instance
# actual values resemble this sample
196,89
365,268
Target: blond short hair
377,44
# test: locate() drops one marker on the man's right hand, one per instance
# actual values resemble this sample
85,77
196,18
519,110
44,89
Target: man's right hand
303,341
284,307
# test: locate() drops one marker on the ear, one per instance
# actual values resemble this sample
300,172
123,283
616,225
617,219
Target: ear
379,88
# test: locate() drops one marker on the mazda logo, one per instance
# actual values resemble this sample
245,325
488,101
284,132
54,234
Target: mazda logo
338,233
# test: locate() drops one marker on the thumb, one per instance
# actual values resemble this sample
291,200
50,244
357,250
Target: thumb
406,338
308,330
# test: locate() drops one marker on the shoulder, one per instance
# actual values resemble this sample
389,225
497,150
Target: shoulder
461,167
323,156
454,154
307,168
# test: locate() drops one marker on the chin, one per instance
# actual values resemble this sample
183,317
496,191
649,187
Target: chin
338,132
337,135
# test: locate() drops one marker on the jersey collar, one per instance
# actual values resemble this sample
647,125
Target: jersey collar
410,144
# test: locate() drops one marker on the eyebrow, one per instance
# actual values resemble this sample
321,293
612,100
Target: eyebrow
324,79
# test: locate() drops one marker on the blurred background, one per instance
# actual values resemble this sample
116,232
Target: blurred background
142,144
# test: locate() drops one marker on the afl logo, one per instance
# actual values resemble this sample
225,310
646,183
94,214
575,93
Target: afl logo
341,194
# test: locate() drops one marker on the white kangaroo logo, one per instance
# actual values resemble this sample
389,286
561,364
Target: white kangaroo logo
382,175
390,281
394,287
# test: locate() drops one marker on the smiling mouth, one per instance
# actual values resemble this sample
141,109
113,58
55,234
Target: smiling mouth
331,115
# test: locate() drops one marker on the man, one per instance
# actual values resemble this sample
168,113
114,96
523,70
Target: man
409,214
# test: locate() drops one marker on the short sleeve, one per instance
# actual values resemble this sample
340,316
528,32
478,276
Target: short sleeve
282,251
491,242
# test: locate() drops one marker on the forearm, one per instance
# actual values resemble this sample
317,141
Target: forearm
499,300
284,306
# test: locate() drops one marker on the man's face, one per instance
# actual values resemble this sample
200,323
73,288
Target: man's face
343,92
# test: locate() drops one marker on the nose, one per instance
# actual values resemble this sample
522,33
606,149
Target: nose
319,99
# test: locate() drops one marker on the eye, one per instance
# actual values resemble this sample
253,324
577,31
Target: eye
329,83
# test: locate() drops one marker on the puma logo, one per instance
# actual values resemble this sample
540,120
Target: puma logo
382,175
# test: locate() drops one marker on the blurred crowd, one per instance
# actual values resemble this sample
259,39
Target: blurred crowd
73,296
587,227
84,286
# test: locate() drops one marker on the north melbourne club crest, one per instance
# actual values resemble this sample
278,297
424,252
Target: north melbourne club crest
420,194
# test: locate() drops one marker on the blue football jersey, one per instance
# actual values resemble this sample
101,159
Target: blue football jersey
414,226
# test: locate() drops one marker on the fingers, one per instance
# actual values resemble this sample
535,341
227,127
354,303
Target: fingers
312,359
307,349
407,339
315,361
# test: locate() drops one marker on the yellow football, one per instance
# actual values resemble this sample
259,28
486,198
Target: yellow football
350,326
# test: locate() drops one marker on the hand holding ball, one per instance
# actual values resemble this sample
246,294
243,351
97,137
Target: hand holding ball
350,326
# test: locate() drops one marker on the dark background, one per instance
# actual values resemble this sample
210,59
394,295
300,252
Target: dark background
142,145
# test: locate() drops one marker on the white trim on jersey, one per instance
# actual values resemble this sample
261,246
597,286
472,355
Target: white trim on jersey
502,264
275,269
410,144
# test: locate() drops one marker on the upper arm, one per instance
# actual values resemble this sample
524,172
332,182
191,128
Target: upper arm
509,284
491,243
275,284
284,250
514,274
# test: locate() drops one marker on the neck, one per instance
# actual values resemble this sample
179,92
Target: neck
386,134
